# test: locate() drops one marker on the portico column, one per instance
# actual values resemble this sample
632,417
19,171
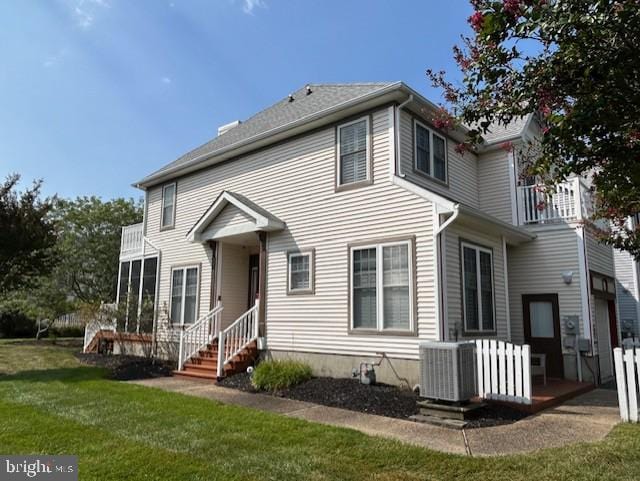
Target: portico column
262,282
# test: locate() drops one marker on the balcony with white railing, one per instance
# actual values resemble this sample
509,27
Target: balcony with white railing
132,240
565,202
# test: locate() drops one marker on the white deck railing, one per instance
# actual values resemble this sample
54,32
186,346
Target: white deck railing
131,242
504,371
237,337
94,327
196,337
627,364
567,201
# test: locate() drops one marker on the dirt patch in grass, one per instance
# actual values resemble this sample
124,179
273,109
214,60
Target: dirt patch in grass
126,368
379,399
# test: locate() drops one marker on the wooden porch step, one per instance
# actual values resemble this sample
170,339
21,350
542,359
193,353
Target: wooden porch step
196,374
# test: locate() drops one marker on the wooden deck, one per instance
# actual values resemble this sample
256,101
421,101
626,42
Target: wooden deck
555,392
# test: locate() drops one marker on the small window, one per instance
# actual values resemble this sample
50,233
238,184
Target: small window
430,152
381,280
300,272
184,295
477,280
353,152
168,206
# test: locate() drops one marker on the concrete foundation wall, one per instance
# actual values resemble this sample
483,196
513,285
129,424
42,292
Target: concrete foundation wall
398,372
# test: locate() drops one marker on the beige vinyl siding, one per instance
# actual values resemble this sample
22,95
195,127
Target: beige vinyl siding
234,286
295,182
454,310
599,256
536,268
230,216
462,171
494,185
627,289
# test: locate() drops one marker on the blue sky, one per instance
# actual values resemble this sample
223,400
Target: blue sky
95,94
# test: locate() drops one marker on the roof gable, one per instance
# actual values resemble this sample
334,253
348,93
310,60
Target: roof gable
235,215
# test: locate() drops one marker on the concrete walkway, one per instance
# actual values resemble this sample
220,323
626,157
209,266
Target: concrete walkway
587,418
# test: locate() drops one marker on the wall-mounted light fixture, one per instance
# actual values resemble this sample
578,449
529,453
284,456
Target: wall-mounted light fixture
567,277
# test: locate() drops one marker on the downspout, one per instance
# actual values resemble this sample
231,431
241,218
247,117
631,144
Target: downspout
397,123
438,240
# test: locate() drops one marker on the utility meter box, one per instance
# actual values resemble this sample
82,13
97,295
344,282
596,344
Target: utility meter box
571,324
584,344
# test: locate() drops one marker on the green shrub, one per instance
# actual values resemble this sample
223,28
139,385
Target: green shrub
67,331
16,324
276,375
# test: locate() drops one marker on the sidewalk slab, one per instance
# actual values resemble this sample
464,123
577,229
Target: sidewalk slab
587,418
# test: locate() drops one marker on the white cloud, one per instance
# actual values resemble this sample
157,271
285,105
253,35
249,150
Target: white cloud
165,80
249,5
85,11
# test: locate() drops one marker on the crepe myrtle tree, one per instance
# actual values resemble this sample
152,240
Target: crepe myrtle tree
574,64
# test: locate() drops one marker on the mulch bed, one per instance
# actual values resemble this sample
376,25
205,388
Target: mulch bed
126,368
379,399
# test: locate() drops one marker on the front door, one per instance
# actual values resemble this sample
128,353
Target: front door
542,330
605,351
254,279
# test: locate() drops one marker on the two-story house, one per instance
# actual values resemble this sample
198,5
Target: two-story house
361,230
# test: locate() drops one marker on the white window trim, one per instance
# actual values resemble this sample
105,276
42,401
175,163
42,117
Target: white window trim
184,291
432,134
306,290
368,151
478,249
380,286
175,195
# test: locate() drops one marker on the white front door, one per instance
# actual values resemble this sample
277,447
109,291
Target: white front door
605,351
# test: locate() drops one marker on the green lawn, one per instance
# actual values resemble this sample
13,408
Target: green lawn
51,404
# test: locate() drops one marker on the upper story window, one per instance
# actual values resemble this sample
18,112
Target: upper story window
168,206
354,146
430,152
477,282
381,294
300,277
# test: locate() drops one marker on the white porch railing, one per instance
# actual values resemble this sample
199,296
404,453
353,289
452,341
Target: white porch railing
504,371
197,336
567,201
94,327
237,336
131,242
627,364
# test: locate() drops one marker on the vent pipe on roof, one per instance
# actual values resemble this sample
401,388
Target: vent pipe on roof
227,127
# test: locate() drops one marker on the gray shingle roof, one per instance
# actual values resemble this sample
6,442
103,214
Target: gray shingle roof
323,96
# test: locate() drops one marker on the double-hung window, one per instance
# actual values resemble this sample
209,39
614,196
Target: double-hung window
430,152
381,294
184,294
168,206
477,282
353,149
300,272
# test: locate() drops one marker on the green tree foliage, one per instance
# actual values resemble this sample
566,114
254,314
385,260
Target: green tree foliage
575,64
89,245
27,236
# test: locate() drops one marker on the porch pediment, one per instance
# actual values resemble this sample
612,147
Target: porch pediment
230,215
